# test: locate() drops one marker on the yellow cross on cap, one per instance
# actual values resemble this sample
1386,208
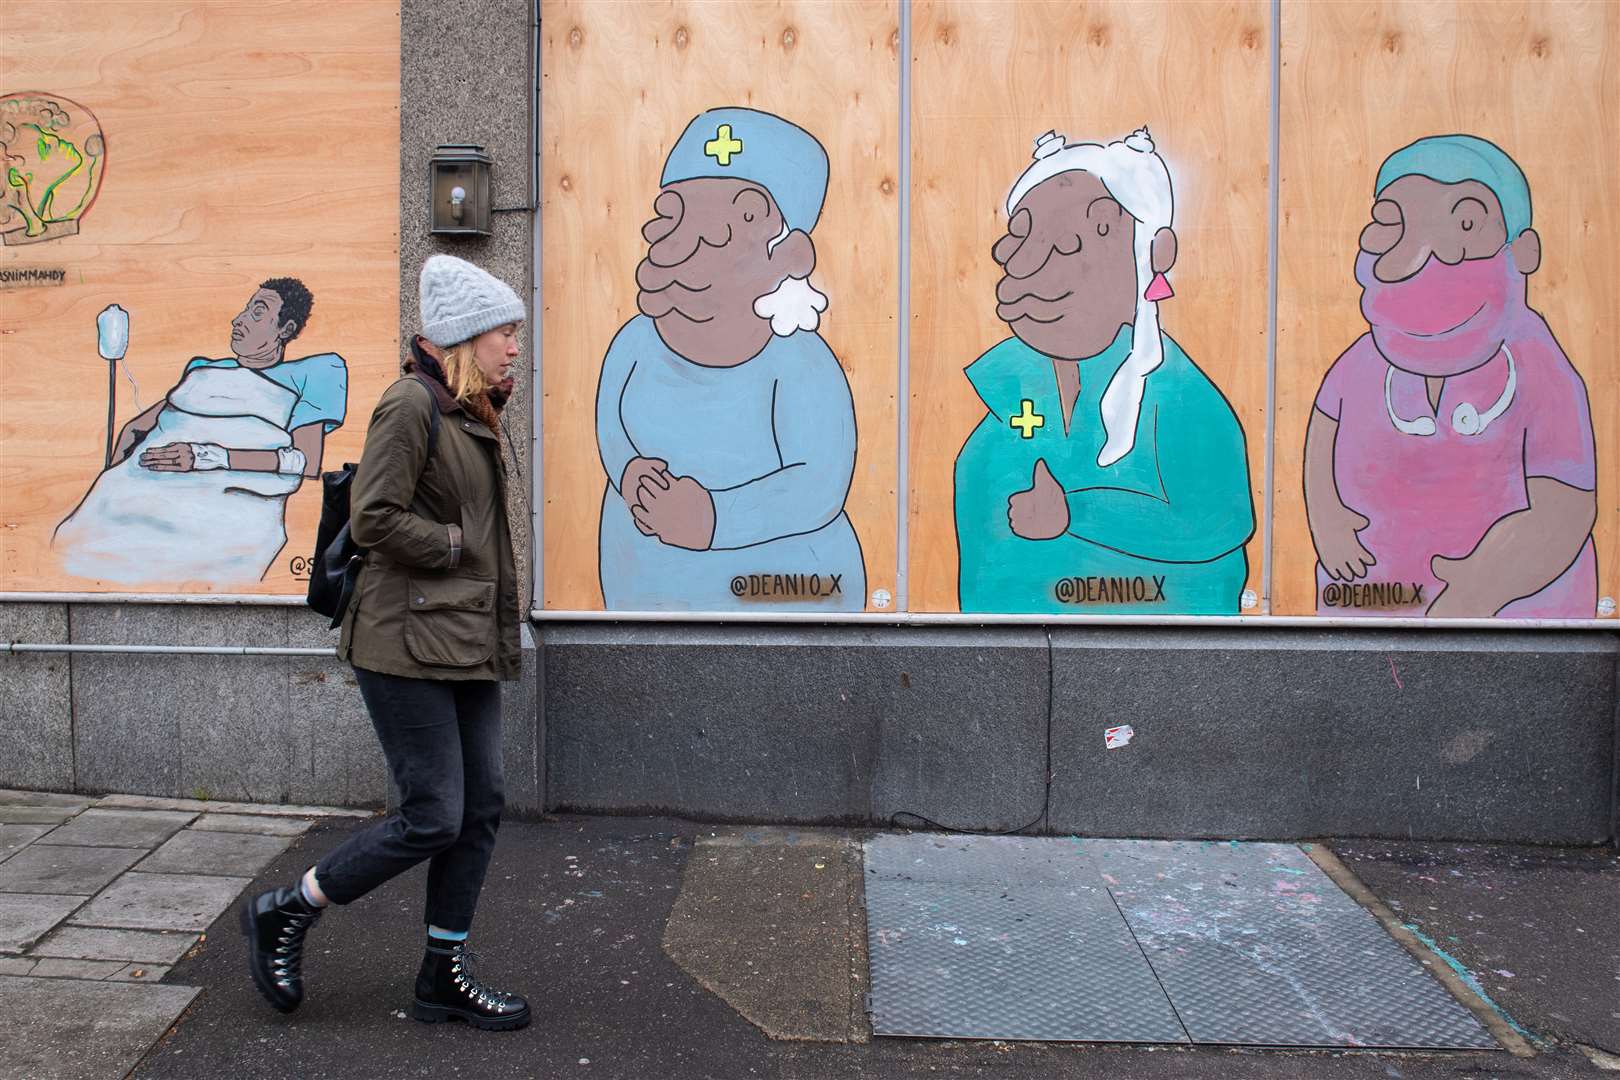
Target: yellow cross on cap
1028,420
722,146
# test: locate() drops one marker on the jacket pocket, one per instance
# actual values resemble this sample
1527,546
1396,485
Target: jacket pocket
450,621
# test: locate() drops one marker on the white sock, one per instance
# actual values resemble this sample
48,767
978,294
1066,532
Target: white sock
311,890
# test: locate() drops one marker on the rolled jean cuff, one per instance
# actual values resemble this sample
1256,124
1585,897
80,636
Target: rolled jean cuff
335,886
456,924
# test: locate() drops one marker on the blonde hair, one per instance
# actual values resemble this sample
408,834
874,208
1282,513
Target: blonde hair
462,373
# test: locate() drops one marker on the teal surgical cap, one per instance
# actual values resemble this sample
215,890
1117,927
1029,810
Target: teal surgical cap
1451,159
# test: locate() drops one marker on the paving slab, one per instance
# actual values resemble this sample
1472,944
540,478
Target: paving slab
12,797
15,837
70,1029
55,968
121,828
25,917
137,946
770,920
64,870
146,973
35,815
252,823
224,853
162,901
209,806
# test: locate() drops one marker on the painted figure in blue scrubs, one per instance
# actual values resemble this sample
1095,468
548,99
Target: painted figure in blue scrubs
1108,474
724,422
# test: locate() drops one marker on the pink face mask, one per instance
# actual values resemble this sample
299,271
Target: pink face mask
1443,320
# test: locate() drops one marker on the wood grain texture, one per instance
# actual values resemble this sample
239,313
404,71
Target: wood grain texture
991,77
245,141
619,84
1360,80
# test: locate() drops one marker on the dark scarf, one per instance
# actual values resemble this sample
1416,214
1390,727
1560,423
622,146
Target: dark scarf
486,406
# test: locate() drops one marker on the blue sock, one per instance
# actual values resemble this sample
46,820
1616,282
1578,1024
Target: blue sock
447,935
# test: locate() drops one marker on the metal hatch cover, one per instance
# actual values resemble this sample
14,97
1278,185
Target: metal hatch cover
1069,939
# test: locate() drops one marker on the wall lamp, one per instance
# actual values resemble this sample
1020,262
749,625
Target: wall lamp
458,191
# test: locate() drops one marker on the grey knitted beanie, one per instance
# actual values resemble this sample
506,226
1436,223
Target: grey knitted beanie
460,301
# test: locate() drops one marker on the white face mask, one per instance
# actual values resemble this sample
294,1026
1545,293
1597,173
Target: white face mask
1465,418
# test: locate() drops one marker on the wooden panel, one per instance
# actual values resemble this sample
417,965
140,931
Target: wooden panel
245,141
620,84
991,77
1361,80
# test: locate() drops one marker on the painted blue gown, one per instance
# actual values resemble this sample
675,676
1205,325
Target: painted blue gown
773,441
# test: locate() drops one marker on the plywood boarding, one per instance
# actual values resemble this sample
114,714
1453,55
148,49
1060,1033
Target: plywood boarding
991,77
620,82
244,141
1360,80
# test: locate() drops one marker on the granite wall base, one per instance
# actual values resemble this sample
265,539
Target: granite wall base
237,728
844,725
1265,733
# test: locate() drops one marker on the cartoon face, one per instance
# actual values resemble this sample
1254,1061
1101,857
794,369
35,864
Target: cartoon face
1069,269
1416,217
711,253
258,331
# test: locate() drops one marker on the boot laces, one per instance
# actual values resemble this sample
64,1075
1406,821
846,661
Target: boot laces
289,953
470,984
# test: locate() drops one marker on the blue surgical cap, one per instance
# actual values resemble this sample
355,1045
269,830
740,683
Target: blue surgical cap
1451,159
752,145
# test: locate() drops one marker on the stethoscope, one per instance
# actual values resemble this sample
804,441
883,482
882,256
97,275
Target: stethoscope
1465,419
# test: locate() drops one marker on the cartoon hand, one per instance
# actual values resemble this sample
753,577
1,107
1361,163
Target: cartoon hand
680,514
654,471
175,457
1339,549
1459,598
1042,511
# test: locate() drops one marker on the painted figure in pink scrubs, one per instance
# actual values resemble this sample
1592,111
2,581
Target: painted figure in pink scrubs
1450,468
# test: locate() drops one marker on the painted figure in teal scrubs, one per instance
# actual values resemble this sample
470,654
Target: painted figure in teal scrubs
1109,475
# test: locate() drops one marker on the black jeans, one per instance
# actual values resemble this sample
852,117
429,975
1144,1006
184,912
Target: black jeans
442,740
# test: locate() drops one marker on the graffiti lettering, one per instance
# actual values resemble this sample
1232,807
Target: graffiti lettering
21,277
779,587
1373,594
1110,590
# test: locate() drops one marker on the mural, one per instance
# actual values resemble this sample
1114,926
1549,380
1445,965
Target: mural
194,487
54,156
1450,463
724,423
1108,473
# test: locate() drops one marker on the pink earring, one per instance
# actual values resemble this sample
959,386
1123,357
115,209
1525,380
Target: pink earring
1159,289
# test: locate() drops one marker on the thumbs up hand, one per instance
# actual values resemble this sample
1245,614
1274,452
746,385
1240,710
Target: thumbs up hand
1041,512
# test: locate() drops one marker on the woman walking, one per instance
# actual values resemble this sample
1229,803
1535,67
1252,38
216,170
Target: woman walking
432,627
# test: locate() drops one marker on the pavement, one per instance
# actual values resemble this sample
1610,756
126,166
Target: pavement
653,947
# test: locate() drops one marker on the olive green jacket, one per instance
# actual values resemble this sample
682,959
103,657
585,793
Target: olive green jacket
437,597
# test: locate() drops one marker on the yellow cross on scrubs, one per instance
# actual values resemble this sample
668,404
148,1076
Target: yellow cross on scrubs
1028,420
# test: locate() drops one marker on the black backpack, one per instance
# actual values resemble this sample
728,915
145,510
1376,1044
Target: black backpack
336,565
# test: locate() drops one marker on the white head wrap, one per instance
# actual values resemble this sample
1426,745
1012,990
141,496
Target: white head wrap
1136,177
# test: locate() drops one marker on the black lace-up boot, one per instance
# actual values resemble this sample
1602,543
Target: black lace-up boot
447,990
275,923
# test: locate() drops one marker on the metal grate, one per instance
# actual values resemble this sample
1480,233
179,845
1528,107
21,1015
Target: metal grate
1067,939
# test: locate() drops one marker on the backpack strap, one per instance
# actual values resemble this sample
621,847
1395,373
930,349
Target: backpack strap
433,414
